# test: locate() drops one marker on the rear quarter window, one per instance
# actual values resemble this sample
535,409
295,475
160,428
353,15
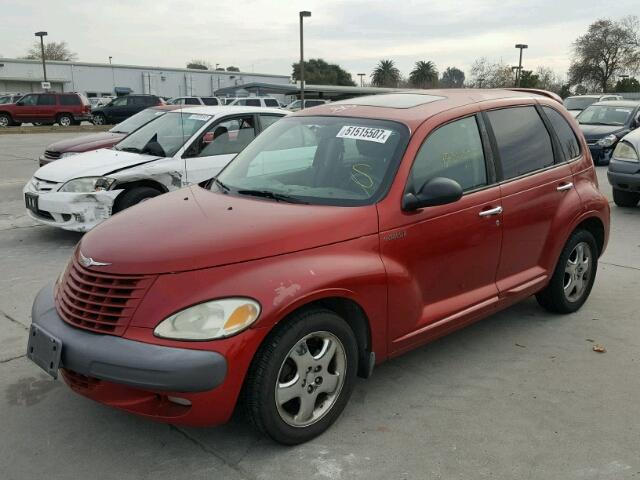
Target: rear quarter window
70,100
524,145
270,102
566,136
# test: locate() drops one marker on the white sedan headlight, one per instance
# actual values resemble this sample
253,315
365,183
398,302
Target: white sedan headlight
210,320
608,140
624,151
87,184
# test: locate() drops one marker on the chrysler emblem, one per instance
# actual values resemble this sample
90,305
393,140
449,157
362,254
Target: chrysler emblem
90,262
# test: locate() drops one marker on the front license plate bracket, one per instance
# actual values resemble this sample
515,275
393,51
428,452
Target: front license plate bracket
44,350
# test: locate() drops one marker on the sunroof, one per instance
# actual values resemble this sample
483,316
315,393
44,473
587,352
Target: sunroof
394,100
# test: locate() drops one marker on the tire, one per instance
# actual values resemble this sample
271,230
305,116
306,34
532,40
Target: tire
65,120
99,119
292,355
625,199
5,120
573,276
133,196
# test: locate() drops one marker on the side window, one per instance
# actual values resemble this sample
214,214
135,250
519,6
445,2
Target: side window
138,101
119,102
271,102
313,103
252,102
268,120
453,151
226,137
523,142
191,101
69,100
566,136
29,100
48,99
210,101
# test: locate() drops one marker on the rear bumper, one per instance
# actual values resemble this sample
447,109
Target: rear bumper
127,362
82,117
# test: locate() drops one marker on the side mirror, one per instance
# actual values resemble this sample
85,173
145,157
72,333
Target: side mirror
19,103
437,191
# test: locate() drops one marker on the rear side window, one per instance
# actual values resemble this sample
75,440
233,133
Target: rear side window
523,142
453,151
70,100
210,101
313,103
48,99
566,136
252,102
271,102
191,101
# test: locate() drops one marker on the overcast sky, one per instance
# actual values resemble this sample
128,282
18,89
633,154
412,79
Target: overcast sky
262,36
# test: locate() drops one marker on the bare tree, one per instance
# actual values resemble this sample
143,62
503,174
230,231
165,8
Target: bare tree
490,75
52,51
606,50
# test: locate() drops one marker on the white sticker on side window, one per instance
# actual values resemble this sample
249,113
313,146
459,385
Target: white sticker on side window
370,134
204,118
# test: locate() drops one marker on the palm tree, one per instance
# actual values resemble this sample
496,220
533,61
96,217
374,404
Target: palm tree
385,74
424,74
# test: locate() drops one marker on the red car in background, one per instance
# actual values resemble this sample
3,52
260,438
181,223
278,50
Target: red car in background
108,139
48,108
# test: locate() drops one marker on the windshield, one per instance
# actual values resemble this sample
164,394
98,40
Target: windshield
578,103
135,122
164,136
6,99
295,104
604,115
318,160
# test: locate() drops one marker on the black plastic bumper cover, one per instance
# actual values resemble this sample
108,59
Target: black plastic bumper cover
128,362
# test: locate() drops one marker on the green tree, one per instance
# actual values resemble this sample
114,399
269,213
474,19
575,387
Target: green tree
319,72
385,74
528,79
196,64
606,50
565,90
52,51
627,85
233,69
452,77
424,75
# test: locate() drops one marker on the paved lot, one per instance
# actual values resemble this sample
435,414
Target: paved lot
518,395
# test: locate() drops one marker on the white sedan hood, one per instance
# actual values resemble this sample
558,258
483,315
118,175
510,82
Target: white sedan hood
90,164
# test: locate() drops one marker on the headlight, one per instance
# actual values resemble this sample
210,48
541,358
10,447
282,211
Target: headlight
624,151
87,184
68,154
210,320
608,140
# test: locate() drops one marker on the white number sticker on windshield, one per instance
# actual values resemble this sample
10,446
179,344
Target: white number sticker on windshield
370,134
204,118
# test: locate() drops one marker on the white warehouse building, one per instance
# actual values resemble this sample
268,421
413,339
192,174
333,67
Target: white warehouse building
99,79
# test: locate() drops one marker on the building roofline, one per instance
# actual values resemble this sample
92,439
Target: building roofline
144,67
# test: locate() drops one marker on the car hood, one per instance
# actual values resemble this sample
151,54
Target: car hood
91,164
596,132
87,142
194,228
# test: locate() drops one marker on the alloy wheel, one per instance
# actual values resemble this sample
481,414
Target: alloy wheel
577,272
310,379
64,121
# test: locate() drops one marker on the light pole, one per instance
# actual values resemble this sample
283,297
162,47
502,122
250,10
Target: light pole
110,57
44,66
520,46
361,75
303,14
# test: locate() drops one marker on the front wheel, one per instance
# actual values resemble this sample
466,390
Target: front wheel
574,275
625,199
302,377
65,120
133,196
99,119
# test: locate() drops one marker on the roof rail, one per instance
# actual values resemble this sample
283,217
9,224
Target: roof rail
538,91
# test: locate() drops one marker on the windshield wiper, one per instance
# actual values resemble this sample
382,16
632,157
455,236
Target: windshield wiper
279,197
129,149
221,185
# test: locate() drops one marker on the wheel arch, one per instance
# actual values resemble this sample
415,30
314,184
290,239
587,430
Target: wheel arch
129,185
595,226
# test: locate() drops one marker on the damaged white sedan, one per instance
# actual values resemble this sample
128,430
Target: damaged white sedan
180,148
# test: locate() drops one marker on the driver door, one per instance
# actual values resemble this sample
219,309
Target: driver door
27,109
217,146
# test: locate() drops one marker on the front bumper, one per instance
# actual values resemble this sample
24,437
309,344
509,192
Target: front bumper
600,155
624,175
128,362
78,212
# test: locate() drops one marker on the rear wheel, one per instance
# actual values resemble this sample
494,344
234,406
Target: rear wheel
302,377
625,199
133,196
65,120
99,119
574,275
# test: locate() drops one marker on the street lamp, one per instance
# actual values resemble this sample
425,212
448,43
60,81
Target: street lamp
361,75
44,66
303,14
110,57
520,46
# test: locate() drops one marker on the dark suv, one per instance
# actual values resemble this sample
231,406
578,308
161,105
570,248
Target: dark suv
46,108
121,108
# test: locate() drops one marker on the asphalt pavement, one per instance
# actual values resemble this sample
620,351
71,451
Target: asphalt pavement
519,395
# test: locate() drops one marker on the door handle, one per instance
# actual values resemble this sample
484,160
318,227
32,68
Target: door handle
565,186
490,212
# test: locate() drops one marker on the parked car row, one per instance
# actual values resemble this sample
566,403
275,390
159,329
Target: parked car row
342,236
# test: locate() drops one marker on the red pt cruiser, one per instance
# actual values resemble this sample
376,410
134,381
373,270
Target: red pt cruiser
343,236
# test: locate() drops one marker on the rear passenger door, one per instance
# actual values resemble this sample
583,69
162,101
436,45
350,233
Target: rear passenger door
535,183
